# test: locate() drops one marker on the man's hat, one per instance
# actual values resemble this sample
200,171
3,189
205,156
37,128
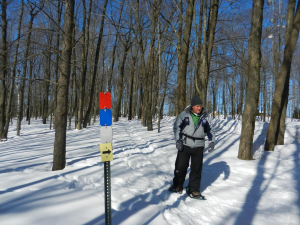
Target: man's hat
196,100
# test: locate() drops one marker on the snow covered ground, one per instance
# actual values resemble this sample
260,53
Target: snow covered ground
262,191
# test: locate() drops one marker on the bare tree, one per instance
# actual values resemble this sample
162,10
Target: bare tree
12,82
205,55
253,85
183,58
279,104
150,66
127,45
85,46
61,111
132,70
34,9
92,94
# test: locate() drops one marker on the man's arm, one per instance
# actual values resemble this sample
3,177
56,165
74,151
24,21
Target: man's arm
177,127
210,130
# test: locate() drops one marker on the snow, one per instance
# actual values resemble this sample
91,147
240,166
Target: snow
261,191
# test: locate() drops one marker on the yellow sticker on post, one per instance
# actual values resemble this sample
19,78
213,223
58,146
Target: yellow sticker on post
106,152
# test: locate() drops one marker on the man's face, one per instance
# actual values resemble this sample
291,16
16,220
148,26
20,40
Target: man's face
197,109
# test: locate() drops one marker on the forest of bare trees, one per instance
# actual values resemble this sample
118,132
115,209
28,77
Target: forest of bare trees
153,56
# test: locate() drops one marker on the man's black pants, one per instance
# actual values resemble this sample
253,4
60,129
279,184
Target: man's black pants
182,164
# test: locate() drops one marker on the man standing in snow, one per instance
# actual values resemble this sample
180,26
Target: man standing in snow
190,129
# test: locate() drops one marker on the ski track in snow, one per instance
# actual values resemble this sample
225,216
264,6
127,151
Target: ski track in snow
261,191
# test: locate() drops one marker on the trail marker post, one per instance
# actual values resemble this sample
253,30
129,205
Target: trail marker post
106,148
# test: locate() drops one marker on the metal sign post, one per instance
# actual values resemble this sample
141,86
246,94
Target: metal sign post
106,148
107,193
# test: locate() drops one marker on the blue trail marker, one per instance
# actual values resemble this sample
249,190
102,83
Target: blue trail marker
105,117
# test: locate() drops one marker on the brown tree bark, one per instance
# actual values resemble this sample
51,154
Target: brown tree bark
59,154
253,85
279,103
58,21
289,26
281,126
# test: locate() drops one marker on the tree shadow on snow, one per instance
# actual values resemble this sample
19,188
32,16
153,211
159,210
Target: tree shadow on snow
260,140
209,176
212,172
137,204
297,166
257,190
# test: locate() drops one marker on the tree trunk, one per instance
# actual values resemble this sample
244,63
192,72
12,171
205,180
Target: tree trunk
132,69
12,82
198,52
85,51
280,138
143,65
46,86
214,92
117,110
223,95
73,96
161,107
253,86
159,75
279,104
206,52
182,63
59,154
22,85
3,68
29,92
241,99
150,66
59,12
264,96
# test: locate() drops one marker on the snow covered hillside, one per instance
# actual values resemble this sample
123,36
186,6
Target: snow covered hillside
262,191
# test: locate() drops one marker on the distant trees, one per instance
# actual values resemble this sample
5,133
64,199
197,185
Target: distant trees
153,56
296,113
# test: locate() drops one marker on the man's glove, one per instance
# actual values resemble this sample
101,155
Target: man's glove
179,145
211,146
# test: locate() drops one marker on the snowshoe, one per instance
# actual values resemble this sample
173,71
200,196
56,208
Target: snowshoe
175,189
194,194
